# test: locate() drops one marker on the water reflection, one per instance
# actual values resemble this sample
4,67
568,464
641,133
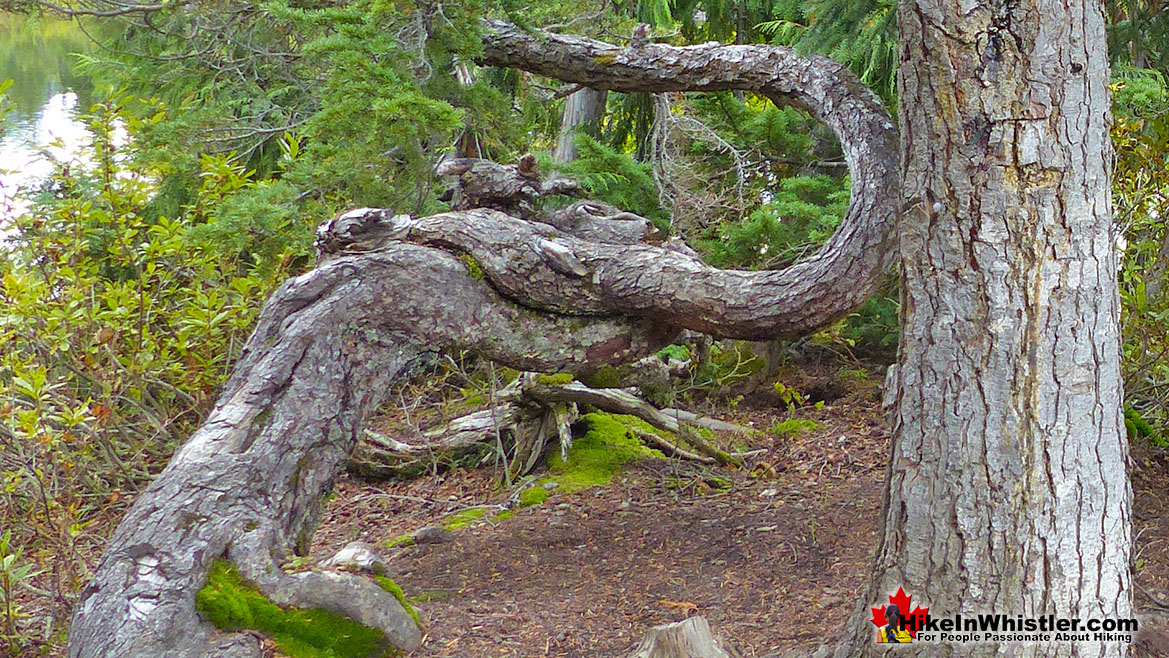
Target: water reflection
29,148
40,57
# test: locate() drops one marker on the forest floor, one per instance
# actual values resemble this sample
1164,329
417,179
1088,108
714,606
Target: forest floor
774,555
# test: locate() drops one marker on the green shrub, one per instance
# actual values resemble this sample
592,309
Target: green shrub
804,211
115,332
1139,428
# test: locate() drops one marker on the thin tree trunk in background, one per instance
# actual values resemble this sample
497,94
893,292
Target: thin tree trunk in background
583,112
467,144
1008,484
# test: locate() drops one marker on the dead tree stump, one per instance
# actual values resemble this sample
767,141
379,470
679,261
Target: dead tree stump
691,638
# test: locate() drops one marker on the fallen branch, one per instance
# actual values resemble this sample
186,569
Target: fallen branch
672,449
534,413
620,401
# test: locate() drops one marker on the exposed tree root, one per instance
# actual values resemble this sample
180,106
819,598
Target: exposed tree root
534,413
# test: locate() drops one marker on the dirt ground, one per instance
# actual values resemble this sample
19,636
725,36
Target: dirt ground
774,555
586,574
775,561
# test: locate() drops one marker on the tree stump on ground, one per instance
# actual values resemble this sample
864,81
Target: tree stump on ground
685,639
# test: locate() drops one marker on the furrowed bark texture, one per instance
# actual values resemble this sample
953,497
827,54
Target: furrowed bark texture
569,294
248,484
1008,486
752,305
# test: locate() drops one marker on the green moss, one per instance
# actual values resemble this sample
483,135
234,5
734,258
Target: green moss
505,514
390,586
231,603
603,377
400,540
473,266
604,59
607,446
555,380
794,426
433,595
719,483
533,496
706,433
462,519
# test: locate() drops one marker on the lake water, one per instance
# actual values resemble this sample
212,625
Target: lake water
48,91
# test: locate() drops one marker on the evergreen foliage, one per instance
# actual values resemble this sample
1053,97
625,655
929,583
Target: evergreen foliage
803,213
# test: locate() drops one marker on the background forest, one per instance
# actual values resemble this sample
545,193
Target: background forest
222,134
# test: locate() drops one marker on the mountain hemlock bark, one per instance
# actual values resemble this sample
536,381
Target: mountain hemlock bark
1008,490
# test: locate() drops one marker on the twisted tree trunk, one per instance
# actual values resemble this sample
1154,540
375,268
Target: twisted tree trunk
565,291
1008,490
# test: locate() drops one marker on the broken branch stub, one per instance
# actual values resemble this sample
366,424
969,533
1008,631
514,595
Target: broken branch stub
691,638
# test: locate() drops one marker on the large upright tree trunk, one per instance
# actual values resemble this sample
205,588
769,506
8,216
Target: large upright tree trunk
1008,489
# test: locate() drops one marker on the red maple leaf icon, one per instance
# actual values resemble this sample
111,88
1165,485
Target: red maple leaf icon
913,620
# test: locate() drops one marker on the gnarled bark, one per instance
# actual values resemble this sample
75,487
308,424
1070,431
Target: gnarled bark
570,294
248,484
752,305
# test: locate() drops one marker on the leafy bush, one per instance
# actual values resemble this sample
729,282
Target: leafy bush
1141,191
115,332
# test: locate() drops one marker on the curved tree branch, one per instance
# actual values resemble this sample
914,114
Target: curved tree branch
390,292
758,305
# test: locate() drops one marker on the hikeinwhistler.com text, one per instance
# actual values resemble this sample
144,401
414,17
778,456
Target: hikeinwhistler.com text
999,628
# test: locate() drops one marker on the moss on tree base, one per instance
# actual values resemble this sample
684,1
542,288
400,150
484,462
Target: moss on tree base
231,603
